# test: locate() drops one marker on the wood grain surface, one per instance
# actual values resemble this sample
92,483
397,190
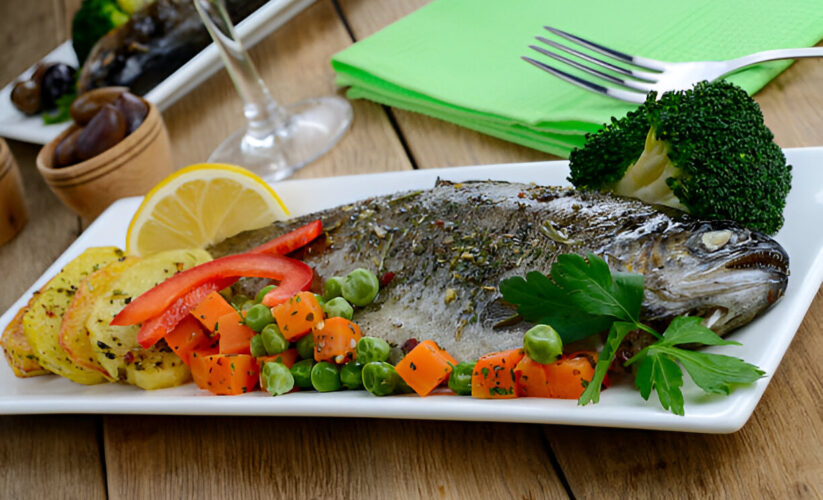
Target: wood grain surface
776,455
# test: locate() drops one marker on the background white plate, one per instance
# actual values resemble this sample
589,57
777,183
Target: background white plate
764,341
269,17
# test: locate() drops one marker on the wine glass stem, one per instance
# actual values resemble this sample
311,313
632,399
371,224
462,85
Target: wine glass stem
265,118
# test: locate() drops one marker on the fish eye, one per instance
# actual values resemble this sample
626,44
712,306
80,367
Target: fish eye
715,240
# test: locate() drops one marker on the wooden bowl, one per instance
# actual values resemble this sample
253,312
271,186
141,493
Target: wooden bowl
129,168
13,214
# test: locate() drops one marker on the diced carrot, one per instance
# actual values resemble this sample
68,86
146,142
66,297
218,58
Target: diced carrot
287,357
425,367
493,375
189,336
531,380
209,310
335,340
224,374
235,336
298,315
567,375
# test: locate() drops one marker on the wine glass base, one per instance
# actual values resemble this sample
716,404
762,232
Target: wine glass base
314,126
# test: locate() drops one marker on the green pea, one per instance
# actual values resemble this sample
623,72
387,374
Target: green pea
460,380
227,294
257,347
360,287
338,306
351,375
258,316
543,344
320,300
301,371
402,387
325,377
372,349
333,287
305,346
262,293
238,300
244,308
273,341
279,379
380,378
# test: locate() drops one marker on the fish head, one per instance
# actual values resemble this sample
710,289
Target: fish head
718,270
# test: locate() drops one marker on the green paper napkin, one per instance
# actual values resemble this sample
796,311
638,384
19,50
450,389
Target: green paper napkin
459,60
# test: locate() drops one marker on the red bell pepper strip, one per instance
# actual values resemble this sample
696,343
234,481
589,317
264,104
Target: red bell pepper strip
291,241
292,275
156,328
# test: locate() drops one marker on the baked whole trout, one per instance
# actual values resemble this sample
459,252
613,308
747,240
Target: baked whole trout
449,247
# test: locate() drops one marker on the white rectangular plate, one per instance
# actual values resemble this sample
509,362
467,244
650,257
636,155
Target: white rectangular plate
269,17
764,341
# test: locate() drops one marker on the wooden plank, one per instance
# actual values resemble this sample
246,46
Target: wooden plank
294,63
776,454
50,456
179,457
792,104
20,20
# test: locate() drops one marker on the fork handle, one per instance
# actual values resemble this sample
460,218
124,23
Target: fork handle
773,55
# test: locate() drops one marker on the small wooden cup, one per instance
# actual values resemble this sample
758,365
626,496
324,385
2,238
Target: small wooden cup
13,213
129,168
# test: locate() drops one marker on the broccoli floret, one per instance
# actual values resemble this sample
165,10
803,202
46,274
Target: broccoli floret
705,150
92,20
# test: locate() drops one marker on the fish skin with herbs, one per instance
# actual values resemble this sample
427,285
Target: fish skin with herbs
447,249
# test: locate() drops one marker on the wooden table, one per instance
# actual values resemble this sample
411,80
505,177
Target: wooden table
778,454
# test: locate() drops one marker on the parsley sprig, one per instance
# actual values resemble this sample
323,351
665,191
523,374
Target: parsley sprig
583,297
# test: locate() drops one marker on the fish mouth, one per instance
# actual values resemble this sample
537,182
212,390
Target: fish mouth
766,260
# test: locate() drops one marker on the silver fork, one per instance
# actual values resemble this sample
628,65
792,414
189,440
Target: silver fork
641,74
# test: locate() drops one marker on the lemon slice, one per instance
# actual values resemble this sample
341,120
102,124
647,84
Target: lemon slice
200,205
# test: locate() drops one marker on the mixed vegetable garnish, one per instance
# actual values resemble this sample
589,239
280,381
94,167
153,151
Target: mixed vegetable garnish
287,338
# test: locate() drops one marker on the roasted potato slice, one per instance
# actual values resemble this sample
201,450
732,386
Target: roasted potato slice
157,368
74,336
42,321
116,347
19,353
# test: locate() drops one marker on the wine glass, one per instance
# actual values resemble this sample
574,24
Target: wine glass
277,140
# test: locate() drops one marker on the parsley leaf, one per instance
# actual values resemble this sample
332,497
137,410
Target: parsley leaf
714,373
617,333
581,298
589,285
539,300
690,330
660,372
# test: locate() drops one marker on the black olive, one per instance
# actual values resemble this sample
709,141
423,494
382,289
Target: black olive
26,97
89,103
66,152
105,130
133,108
57,80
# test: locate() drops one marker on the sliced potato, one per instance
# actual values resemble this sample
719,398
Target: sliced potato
19,353
157,368
74,336
42,321
116,347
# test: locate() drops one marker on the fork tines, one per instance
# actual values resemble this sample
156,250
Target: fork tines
633,83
